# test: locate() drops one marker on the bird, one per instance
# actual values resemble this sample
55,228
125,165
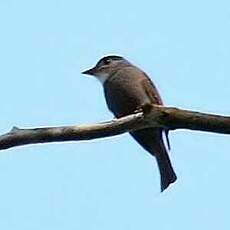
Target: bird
126,89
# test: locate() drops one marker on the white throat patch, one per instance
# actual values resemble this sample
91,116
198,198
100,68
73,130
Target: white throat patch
103,77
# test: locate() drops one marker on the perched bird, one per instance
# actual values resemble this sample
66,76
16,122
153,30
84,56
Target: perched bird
127,88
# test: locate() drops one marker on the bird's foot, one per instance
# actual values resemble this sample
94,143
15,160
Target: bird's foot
145,108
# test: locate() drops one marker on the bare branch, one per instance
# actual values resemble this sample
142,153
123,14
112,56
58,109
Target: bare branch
153,116
174,118
17,136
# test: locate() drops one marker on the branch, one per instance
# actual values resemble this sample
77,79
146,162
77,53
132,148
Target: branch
152,116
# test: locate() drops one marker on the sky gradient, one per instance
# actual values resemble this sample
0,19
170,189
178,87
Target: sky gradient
112,183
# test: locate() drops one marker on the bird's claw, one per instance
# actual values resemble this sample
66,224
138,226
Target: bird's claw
139,110
145,108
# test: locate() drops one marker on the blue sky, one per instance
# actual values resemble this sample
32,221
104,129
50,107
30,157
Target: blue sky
112,183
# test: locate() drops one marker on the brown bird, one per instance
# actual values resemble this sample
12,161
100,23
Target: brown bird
127,89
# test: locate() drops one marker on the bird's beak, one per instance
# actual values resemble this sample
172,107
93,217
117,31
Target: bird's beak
90,71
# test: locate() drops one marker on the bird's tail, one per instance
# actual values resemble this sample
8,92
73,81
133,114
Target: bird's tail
152,141
167,173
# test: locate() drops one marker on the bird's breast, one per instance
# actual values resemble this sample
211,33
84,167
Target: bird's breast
124,93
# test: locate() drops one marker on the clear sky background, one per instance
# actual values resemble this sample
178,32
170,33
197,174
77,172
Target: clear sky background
112,183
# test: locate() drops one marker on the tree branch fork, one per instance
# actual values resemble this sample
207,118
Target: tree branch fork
151,116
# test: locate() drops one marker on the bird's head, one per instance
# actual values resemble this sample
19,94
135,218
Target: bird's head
106,66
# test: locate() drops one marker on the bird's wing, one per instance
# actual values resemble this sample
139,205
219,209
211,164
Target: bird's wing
155,98
151,91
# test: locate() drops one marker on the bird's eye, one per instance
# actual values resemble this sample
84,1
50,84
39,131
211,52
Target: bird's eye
107,61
